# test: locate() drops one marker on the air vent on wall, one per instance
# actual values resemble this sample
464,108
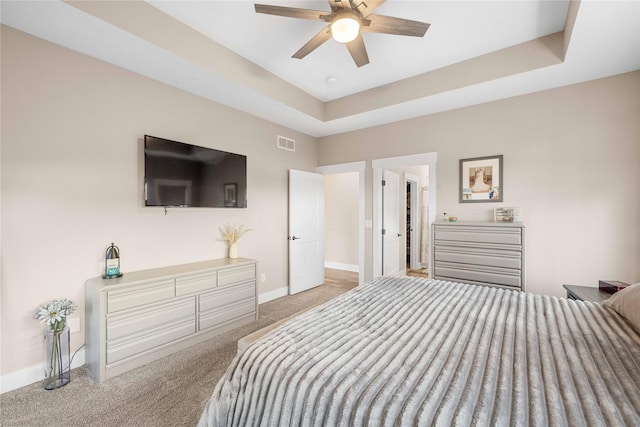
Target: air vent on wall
286,143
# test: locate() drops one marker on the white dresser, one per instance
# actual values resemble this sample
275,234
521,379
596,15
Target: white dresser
481,253
145,315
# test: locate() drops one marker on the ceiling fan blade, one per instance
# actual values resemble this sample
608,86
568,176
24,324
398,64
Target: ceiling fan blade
314,43
399,26
358,51
367,8
339,5
290,12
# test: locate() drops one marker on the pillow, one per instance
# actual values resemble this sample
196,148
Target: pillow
627,304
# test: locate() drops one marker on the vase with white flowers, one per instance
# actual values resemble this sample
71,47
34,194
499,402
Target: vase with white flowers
57,367
231,234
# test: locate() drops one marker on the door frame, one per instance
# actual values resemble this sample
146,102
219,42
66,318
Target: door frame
359,168
378,165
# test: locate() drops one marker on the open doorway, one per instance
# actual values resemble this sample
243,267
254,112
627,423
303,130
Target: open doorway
344,217
429,197
417,228
341,221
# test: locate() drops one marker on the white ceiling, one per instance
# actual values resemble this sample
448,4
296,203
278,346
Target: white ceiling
605,41
459,30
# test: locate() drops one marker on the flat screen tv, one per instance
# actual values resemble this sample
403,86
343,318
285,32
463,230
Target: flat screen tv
184,175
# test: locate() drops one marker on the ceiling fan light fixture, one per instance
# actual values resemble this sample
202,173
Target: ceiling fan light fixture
345,28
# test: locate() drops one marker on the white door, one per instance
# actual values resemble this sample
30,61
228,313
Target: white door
391,238
306,230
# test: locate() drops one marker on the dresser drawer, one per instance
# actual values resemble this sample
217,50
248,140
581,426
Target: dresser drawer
223,297
498,235
196,283
478,256
225,314
122,299
478,274
229,276
119,350
136,321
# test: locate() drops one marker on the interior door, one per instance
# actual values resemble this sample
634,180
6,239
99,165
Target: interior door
391,238
306,230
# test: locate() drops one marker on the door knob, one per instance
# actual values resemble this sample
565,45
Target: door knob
294,238
399,235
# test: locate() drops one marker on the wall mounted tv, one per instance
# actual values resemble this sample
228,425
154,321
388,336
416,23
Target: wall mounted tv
184,175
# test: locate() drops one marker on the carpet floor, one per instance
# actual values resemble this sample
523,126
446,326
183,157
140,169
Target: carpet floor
169,392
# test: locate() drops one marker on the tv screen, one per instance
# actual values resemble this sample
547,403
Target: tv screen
184,175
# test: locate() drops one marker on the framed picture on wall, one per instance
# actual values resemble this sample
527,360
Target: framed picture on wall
481,179
230,200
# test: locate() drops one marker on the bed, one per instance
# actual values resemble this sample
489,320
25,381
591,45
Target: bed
412,351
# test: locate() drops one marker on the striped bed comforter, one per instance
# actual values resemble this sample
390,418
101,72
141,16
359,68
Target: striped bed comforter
409,351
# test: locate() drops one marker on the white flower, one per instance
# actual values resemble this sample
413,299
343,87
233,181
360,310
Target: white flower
233,233
54,313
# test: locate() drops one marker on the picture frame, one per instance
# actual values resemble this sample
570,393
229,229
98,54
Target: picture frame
230,199
481,180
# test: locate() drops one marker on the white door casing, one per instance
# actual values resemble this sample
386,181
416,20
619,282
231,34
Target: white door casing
378,166
306,230
391,238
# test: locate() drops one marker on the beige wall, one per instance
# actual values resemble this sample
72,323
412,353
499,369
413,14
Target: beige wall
571,162
72,183
341,218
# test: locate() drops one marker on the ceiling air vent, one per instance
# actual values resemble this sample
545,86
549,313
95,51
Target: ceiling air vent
286,143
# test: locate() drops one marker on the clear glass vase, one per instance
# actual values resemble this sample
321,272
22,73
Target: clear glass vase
57,366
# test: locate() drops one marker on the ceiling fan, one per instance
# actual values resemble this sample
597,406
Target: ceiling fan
347,20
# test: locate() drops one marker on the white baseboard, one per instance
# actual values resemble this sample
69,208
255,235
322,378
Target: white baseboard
340,266
274,294
33,374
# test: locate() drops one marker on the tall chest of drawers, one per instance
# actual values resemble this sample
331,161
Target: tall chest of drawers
479,253
146,315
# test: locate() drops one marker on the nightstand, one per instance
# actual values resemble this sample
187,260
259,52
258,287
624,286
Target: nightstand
586,293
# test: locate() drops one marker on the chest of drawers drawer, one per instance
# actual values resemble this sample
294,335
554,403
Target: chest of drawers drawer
235,275
142,294
196,283
479,256
485,235
136,321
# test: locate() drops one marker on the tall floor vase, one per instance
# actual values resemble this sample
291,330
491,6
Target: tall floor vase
57,366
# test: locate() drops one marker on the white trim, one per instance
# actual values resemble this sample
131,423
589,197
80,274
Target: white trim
400,162
341,168
274,294
358,167
340,266
33,374
411,177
